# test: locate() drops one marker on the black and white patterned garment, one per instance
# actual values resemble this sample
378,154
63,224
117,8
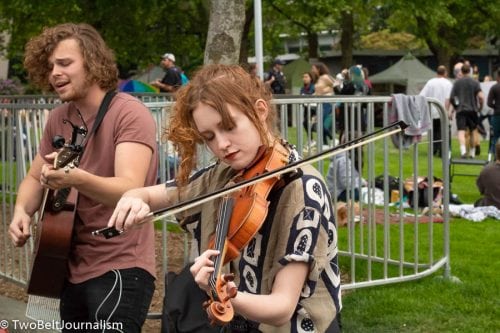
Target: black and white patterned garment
299,227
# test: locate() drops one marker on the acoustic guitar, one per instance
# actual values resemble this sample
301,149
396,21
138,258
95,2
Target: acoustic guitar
53,233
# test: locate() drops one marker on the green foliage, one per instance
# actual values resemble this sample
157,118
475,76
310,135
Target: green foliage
446,25
138,31
313,17
172,225
385,40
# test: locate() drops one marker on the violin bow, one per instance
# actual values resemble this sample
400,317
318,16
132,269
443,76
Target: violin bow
381,133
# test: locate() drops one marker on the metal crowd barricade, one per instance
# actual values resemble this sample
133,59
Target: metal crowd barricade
377,244
22,123
384,242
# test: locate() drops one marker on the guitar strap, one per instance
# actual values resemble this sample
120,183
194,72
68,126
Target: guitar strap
103,108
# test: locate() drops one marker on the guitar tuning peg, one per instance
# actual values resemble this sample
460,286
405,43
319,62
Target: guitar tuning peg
82,130
58,141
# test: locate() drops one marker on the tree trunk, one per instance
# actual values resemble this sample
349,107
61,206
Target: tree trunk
225,28
444,55
346,39
312,42
245,41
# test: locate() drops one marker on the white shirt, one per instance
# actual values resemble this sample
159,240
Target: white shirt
438,88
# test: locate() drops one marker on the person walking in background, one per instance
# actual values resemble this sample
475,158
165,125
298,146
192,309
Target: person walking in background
309,110
324,87
440,89
108,280
475,72
493,102
276,79
338,83
354,82
252,70
368,82
307,84
353,85
172,79
467,99
324,83
231,112
457,68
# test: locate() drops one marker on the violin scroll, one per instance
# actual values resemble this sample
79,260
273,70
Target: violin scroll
219,308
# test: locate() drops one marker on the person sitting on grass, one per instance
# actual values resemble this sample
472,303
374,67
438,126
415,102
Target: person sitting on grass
488,182
342,177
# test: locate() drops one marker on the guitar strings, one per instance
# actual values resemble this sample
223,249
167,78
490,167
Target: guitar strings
118,280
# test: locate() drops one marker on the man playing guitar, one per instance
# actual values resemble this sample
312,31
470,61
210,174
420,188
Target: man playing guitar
109,281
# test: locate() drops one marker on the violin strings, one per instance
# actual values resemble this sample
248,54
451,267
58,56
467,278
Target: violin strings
219,239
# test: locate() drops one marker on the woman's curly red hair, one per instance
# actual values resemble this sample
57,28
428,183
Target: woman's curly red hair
218,86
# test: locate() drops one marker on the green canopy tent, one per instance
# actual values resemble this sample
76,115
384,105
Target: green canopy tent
293,72
408,72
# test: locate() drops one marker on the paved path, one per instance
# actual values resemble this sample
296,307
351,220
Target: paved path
11,310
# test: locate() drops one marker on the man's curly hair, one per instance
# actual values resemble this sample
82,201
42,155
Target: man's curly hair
99,59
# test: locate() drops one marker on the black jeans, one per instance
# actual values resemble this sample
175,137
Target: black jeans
117,301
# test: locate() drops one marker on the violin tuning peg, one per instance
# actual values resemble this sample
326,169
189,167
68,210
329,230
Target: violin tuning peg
228,277
231,293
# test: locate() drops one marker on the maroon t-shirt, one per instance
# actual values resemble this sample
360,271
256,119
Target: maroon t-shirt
127,120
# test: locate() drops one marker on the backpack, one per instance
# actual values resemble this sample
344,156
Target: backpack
184,79
422,193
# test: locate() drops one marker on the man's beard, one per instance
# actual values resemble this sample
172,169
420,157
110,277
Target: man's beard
77,92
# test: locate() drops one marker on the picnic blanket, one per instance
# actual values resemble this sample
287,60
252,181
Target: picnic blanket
475,214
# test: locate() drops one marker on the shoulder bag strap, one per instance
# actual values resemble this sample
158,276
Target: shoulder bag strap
103,108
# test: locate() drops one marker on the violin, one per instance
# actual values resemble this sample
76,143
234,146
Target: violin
240,217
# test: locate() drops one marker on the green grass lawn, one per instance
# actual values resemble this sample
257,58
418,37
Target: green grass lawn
434,304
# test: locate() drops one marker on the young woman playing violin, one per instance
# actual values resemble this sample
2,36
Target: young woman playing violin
286,274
